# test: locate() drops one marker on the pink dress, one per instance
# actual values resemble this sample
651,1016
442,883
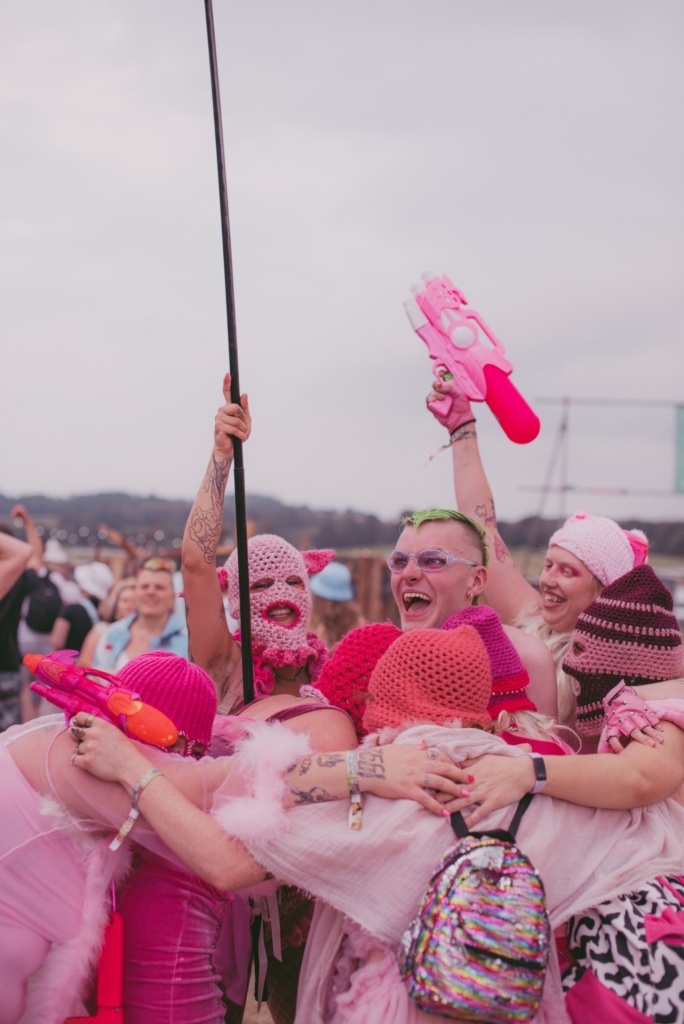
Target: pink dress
183,946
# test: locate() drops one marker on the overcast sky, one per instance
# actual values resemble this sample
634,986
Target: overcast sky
529,149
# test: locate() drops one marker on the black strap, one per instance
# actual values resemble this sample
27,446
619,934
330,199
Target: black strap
461,829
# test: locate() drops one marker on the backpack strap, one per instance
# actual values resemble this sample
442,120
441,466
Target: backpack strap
461,829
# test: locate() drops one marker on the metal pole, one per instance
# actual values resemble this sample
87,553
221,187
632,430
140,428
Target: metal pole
238,465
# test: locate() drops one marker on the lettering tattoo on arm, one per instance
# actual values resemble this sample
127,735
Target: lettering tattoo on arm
371,764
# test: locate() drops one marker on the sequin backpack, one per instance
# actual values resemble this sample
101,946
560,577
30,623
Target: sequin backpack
479,946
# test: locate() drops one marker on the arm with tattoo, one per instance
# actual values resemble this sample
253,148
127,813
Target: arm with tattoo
395,771
210,642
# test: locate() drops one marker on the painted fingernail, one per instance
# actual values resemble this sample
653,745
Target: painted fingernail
446,814
464,792
471,778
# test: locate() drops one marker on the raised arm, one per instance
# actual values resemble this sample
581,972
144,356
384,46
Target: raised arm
32,536
14,557
507,591
211,645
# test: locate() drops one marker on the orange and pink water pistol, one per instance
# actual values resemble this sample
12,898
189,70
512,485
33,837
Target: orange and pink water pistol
73,688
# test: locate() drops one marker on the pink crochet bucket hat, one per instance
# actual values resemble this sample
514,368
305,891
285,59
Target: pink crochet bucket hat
431,675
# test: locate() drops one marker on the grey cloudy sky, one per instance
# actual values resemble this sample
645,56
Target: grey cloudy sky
530,149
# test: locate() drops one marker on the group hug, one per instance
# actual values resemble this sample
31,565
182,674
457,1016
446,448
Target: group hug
293,840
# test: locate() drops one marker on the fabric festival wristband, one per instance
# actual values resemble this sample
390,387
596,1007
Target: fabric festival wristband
134,812
355,802
539,772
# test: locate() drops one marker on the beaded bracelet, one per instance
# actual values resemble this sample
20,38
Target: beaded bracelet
355,800
134,812
459,434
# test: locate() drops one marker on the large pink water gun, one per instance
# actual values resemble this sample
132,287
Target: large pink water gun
440,316
75,689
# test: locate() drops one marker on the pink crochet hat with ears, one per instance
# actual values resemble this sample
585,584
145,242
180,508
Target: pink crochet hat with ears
605,548
279,589
431,675
179,688
272,557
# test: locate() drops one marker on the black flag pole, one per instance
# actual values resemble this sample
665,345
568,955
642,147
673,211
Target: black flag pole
238,464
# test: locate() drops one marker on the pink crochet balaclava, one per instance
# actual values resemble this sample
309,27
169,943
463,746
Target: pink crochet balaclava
273,558
605,548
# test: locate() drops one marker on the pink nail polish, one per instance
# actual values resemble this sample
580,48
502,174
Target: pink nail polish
471,778
464,792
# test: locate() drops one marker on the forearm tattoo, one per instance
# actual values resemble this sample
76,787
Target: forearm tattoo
371,764
330,760
205,524
487,513
217,477
315,795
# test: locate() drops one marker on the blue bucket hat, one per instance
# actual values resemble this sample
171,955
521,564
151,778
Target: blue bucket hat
334,583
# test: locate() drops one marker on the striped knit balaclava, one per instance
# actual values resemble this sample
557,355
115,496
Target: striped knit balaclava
629,632
431,675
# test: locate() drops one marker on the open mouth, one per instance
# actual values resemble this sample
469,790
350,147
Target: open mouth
282,614
414,602
552,599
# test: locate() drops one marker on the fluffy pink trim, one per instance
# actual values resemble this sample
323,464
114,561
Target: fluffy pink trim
314,653
58,989
264,755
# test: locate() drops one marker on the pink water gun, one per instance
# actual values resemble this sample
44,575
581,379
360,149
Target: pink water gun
78,689
440,316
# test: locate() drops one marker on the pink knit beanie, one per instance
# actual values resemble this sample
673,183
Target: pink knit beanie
629,632
431,675
509,676
346,674
179,688
605,548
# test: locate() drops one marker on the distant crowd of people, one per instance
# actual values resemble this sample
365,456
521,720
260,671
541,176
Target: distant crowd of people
292,837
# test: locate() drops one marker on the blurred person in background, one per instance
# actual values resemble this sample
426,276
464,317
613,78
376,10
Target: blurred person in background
14,558
58,563
119,604
41,605
334,611
153,626
95,580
